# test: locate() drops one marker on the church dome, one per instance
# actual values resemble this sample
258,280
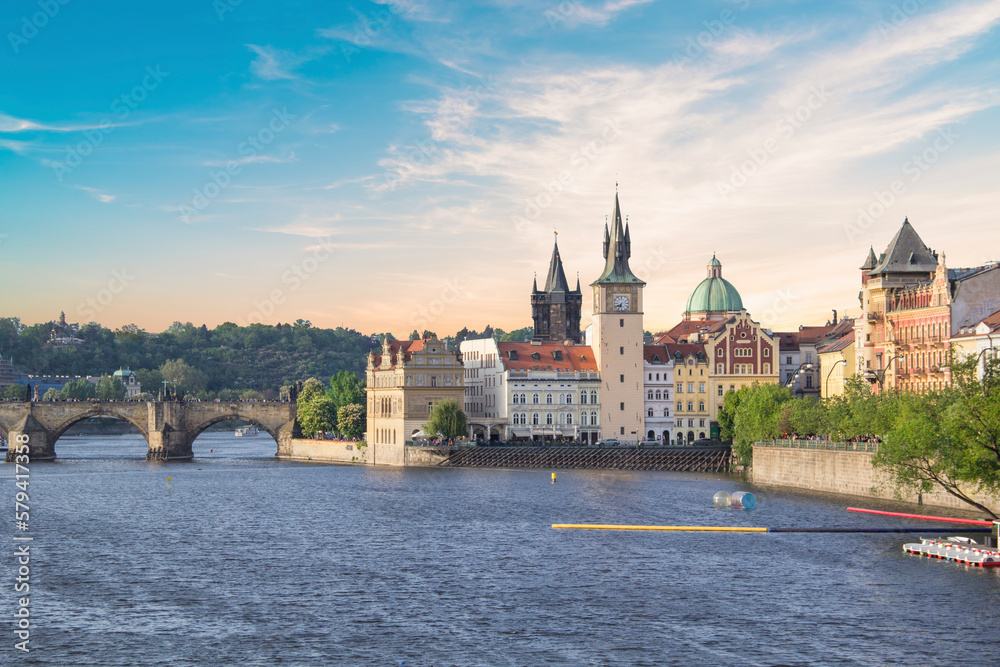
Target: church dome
714,294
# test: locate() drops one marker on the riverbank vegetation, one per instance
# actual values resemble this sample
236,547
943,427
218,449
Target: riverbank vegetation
947,439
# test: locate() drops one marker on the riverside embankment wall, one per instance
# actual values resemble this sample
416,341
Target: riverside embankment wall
843,472
359,453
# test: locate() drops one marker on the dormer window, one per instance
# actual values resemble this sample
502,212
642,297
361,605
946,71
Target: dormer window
535,356
512,355
557,355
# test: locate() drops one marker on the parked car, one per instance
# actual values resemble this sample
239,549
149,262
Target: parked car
610,442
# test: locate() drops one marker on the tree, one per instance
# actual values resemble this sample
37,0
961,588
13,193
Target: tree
51,394
17,392
727,415
757,417
316,410
351,421
78,389
948,439
109,389
448,420
414,335
149,380
347,389
187,378
428,334
518,335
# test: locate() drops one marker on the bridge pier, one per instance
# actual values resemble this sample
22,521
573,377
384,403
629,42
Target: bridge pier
169,445
41,444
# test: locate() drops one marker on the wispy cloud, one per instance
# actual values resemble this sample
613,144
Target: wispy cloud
272,64
97,194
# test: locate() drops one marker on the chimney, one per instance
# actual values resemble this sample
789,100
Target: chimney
834,317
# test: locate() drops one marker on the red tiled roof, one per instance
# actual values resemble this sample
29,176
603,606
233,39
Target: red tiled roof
685,349
841,343
574,357
993,322
683,330
787,340
814,335
407,346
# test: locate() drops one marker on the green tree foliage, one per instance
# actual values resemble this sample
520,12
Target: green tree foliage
947,439
78,389
347,389
727,415
256,357
757,417
317,411
414,335
187,378
109,389
51,394
18,392
351,421
448,420
518,335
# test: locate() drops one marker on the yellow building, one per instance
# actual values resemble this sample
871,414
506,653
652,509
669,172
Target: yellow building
837,362
405,382
617,337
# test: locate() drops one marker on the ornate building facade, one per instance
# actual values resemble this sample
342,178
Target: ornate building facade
404,383
912,304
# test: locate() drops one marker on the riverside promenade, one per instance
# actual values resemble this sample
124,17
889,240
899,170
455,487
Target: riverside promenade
715,459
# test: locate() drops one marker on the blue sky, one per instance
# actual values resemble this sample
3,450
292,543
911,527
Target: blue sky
403,164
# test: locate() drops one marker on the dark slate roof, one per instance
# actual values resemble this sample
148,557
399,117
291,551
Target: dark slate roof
906,253
841,343
617,250
871,262
555,281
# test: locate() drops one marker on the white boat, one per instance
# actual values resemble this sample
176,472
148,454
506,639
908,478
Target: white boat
246,430
956,549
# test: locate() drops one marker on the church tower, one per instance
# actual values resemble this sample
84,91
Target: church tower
617,336
556,309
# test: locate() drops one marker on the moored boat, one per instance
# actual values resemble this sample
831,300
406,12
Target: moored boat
956,549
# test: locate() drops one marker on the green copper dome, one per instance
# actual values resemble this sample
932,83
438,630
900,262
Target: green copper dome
714,294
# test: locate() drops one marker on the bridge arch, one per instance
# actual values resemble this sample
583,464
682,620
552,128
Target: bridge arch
100,410
195,430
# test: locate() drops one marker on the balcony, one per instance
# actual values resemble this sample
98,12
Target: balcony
876,316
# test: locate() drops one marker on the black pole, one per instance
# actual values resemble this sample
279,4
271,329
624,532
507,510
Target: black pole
953,530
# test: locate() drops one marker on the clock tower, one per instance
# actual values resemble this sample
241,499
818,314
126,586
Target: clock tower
617,336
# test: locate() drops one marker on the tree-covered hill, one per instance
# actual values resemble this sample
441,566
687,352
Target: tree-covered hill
256,357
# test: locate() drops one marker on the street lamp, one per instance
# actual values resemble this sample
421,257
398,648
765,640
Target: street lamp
808,366
879,375
826,383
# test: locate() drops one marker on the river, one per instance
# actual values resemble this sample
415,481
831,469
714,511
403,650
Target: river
242,559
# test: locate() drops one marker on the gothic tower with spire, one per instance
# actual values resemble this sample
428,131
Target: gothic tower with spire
556,309
617,337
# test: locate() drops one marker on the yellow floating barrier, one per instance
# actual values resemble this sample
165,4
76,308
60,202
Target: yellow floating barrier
689,529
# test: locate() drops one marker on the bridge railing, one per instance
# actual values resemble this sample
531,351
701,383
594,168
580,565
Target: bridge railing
822,443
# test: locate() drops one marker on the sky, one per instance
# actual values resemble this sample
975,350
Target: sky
402,164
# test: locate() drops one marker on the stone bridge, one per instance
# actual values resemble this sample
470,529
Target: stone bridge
169,427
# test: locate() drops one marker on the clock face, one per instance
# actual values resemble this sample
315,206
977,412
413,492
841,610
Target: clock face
621,302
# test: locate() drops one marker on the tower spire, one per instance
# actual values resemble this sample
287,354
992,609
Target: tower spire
617,250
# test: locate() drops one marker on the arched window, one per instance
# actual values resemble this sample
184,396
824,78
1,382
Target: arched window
666,412
593,419
701,406
649,413
666,394
583,397
690,406
569,399
548,419
651,435
657,394
517,398
569,419
649,395
534,399
593,397
534,419
548,399
562,418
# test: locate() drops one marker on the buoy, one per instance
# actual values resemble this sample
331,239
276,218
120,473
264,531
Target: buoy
722,500
553,478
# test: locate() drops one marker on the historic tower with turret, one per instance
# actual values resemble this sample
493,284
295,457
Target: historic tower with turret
556,309
617,336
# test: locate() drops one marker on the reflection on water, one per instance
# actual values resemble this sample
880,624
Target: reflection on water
245,559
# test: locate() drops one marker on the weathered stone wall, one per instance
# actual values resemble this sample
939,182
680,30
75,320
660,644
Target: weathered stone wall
849,473
326,451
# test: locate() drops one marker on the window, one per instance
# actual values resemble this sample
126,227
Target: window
557,355
621,378
666,412
534,419
720,390
623,430
562,418
536,356
690,387
622,406
649,413
569,399
548,419
680,387
680,406
701,423
534,399
658,394
809,381
621,350
621,323
767,352
593,397
548,399
649,395
593,419
701,387
718,369
701,406
722,352
690,406
569,419
809,357
658,377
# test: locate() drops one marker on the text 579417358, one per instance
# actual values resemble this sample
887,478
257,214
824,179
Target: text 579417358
22,550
